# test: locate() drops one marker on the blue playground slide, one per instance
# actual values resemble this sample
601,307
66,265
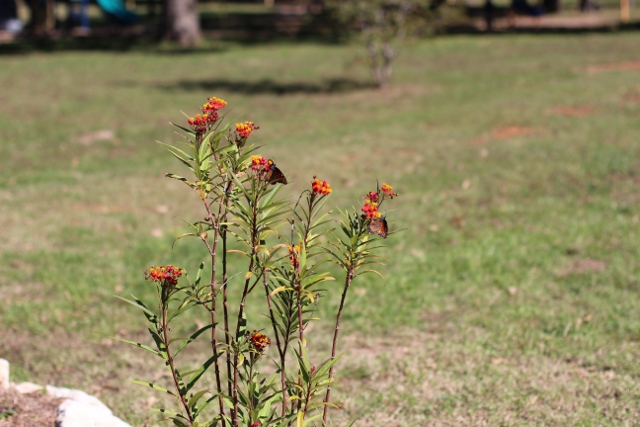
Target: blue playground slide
117,9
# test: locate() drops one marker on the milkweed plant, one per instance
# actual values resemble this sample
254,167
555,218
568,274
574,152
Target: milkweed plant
284,248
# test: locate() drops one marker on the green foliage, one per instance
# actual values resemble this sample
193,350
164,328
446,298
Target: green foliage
240,196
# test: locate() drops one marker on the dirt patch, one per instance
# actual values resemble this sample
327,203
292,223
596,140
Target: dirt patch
28,410
584,266
632,97
572,111
619,66
508,132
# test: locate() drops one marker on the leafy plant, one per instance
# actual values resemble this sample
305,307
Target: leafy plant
240,194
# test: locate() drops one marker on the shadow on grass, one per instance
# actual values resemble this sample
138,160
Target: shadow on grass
107,41
268,86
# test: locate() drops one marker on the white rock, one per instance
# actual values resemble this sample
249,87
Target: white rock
25,388
4,374
78,396
79,409
76,414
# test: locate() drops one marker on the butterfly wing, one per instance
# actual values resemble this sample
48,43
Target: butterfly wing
275,175
379,226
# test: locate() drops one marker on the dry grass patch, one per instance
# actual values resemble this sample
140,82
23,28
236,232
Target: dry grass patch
618,66
573,111
448,380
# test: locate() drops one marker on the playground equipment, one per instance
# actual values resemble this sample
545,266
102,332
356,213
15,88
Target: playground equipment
118,10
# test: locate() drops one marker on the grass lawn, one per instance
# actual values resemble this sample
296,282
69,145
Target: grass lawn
512,298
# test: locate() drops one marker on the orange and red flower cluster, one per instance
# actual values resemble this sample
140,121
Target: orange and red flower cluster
370,209
245,129
201,122
213,105
164,274
259,342
259,162
373,196
294,251
320,187
388,191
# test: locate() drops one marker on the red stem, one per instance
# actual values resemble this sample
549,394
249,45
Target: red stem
334,347
254,247
281,351
165,337
212,309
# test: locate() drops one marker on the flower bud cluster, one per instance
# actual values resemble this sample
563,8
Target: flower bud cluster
202,122
259,162
259,342
320,187
387,191
370,209
164,274
243,130
294,251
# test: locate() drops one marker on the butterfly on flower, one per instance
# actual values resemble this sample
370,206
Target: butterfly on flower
379,226
274,175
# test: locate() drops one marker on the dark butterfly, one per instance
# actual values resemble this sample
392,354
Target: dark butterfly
274,175
379,226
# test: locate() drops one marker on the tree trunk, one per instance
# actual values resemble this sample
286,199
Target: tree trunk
551,6
588,6
182,22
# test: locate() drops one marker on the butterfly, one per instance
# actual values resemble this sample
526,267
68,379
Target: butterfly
379,226
274,175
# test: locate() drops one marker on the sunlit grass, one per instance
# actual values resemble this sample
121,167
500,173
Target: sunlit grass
511,296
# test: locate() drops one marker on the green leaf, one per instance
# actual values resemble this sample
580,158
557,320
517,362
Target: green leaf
200,371
302,365
242,328
166,411
311,419
193,400
325,366
142,346
186,130
199,274
178,422
353,421
153,386
182,390
182,160
192,337
137,303
159,343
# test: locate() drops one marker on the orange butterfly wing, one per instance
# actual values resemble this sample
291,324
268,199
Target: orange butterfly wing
275,175
379,226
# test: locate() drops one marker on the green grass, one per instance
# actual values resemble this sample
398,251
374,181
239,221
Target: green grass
511,296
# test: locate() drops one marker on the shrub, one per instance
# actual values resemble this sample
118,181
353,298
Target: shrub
285,249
